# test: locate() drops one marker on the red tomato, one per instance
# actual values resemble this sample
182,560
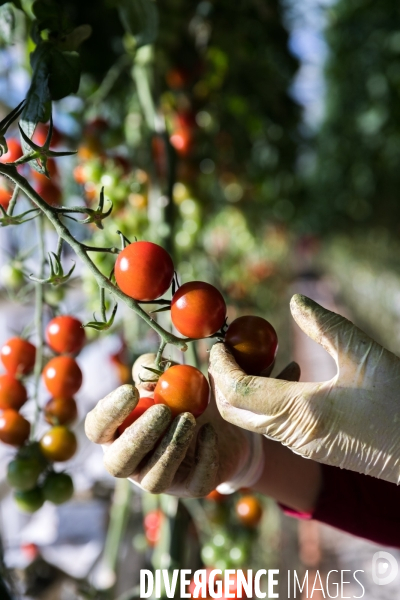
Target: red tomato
79,174
184,389
141,407
65,334
58,411
40,135
253,343
62,377
14,429
152,525
144,271
12,392
182,141
58,444
14,151
215,496
249,511
18,356
5,197
198,309
49,191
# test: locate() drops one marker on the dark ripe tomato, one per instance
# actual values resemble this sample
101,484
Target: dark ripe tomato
5,197
140,408
65,334
58,488
29,501
23,473
14,151
58,444
18,356
253,343
144,271
59,411
14,429
49,191
249,511
62,377
184,389
198,309
12,392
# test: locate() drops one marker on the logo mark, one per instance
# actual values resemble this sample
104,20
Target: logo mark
384,568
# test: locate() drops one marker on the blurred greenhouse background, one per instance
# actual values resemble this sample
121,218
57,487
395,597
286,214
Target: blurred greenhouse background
259,143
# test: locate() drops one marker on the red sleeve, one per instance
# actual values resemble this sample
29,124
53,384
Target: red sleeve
364,506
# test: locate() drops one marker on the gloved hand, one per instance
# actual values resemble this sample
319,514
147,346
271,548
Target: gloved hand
351,421
185,457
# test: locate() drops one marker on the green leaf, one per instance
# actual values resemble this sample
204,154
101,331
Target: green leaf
73,40
140,19
7,24
65,72
38,101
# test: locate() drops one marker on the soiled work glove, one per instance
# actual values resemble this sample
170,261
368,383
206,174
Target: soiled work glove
351,421
183,457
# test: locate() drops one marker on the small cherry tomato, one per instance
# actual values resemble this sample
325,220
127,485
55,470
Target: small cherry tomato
249,511
184,389
62,377
12,392
58,444
18,356
144,271
49,191
198,309
253,343
14,151
40,135
141,407
65,334
59,411
58,488
29,501
23,473
215,496
5,197
14,429
152,525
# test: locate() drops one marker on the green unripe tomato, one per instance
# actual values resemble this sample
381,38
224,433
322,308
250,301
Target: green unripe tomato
58,488
23,473
29,501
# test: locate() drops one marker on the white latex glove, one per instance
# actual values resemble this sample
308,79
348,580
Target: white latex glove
185,457
351,421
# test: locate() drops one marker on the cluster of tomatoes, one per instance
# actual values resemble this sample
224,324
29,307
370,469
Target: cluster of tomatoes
31,473
48,189
145,271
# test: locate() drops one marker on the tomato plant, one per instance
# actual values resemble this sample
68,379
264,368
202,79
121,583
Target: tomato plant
184,389
60,411
58,488
58,444
29,501
253,343
144,271
142,406
14,428
62,377
249,511
18,356
23,473
13,393
198,309
65,334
